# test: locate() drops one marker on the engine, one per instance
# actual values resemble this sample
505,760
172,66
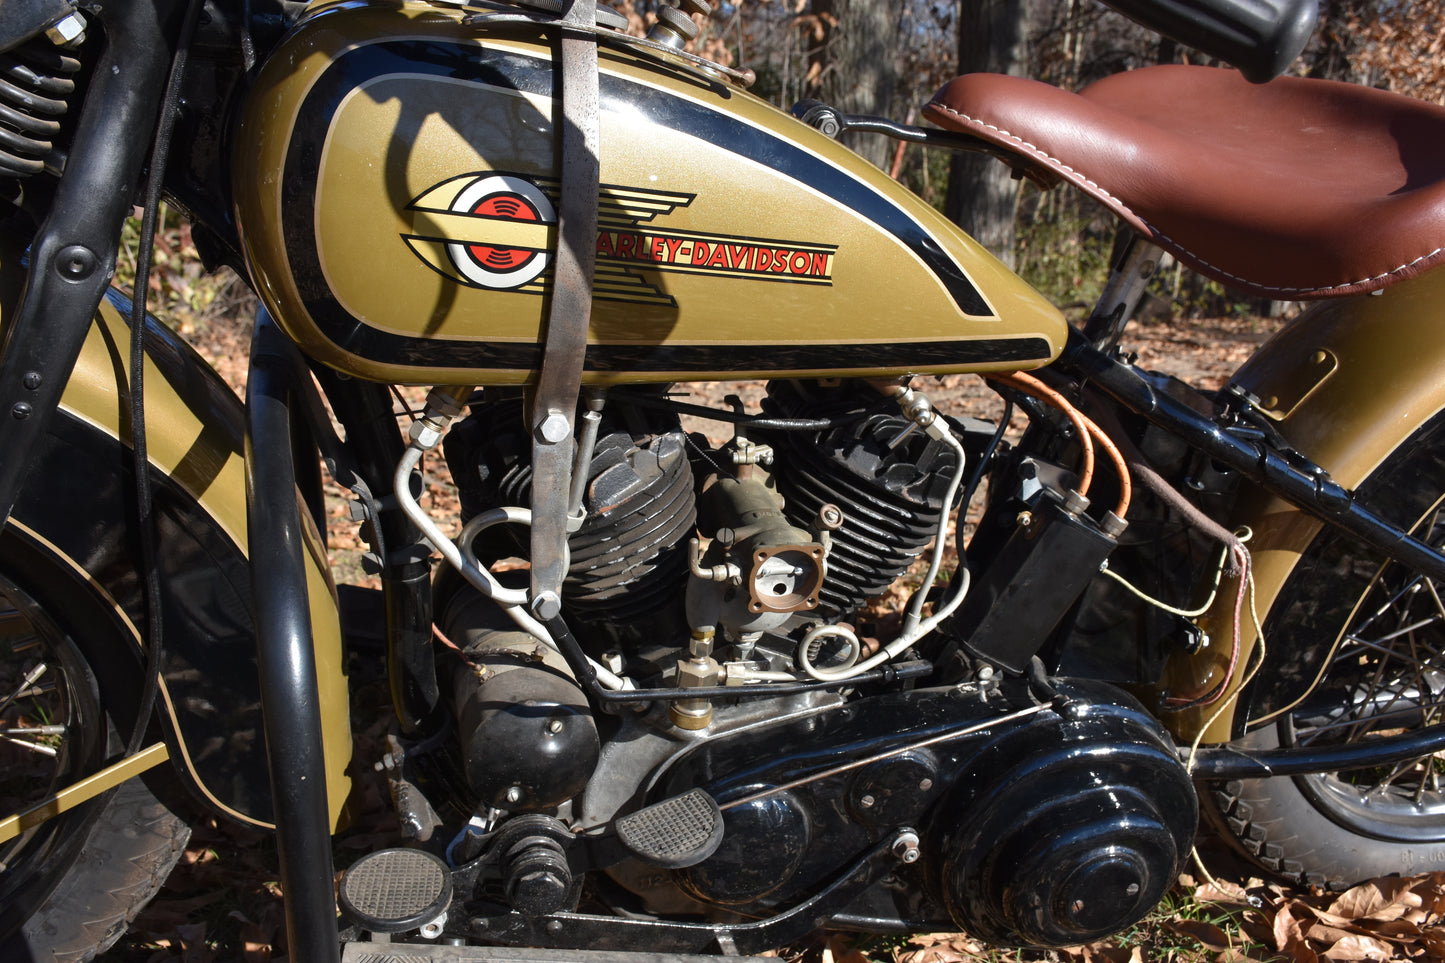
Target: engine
840,514
695,565
629,555
887,480
1033,811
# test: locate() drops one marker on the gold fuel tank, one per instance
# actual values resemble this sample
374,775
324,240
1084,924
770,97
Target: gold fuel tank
396,190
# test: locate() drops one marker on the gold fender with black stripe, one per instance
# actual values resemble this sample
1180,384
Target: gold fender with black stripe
1346,383
74,517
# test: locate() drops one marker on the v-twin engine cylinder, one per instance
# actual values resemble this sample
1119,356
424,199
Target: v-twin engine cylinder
1049,824
629,557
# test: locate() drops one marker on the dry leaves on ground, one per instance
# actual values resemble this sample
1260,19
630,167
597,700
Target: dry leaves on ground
1393,918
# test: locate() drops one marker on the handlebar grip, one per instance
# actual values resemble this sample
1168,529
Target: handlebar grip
1259,37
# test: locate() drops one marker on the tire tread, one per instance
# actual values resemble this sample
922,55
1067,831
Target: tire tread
133,845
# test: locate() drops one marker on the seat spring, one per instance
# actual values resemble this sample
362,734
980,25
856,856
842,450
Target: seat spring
36,83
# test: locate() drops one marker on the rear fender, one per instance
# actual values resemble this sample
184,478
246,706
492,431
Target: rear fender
76,512
1346,383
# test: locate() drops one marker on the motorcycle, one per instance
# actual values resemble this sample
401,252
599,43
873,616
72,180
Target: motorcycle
637,711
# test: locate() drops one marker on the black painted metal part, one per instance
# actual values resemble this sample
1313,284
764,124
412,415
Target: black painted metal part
71,258
1227,762
285,658
1314,492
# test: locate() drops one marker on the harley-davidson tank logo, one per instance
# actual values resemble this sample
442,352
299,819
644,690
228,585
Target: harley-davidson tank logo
495,230
508,199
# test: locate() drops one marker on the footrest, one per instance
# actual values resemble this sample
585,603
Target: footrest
395,890
432,953
677,832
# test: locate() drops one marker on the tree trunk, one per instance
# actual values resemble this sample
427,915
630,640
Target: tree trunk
982,194
853,65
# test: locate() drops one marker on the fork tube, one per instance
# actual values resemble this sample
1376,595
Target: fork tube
290,705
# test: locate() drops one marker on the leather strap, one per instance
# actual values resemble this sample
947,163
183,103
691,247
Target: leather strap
553,444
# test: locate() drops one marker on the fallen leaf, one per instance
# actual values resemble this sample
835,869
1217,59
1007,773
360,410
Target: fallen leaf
1356,947
1286,928
1379,899
1207,934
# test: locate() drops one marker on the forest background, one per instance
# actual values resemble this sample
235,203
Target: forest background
887,57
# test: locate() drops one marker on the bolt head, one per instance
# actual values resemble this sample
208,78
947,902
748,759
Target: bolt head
514,795
867,802
75,263
555,428
547,605
67,30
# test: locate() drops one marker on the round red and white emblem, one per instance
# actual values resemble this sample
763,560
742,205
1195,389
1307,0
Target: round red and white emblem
508,198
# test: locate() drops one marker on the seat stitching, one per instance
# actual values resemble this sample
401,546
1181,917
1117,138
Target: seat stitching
1055,162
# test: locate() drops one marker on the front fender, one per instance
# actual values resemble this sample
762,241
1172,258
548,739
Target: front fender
77,508
1346,382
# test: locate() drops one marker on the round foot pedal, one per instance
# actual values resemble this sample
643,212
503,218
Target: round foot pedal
395,890
677,832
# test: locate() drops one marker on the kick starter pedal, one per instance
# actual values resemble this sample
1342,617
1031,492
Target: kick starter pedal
677,832
395,890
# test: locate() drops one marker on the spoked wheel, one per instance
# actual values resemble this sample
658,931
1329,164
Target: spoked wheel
1356,653
1387,676
50,730
70,885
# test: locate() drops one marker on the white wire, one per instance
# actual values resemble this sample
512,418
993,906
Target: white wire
913,629
1165,606
760,675
1249,676
855,648
513,601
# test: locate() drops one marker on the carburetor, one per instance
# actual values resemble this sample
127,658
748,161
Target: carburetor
759,568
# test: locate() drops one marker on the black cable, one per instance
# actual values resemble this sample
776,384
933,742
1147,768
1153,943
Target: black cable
974,481
145,516
586,676
760,422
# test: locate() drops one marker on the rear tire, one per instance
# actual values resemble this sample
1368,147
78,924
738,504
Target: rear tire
1356,651
70,886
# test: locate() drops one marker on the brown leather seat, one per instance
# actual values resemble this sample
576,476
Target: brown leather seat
1291,189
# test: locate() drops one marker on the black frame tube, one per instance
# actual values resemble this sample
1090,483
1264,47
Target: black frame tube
1227,762
578,931
1316,494
290,705
374,445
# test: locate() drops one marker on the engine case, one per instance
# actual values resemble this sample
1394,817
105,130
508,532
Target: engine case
1054,829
